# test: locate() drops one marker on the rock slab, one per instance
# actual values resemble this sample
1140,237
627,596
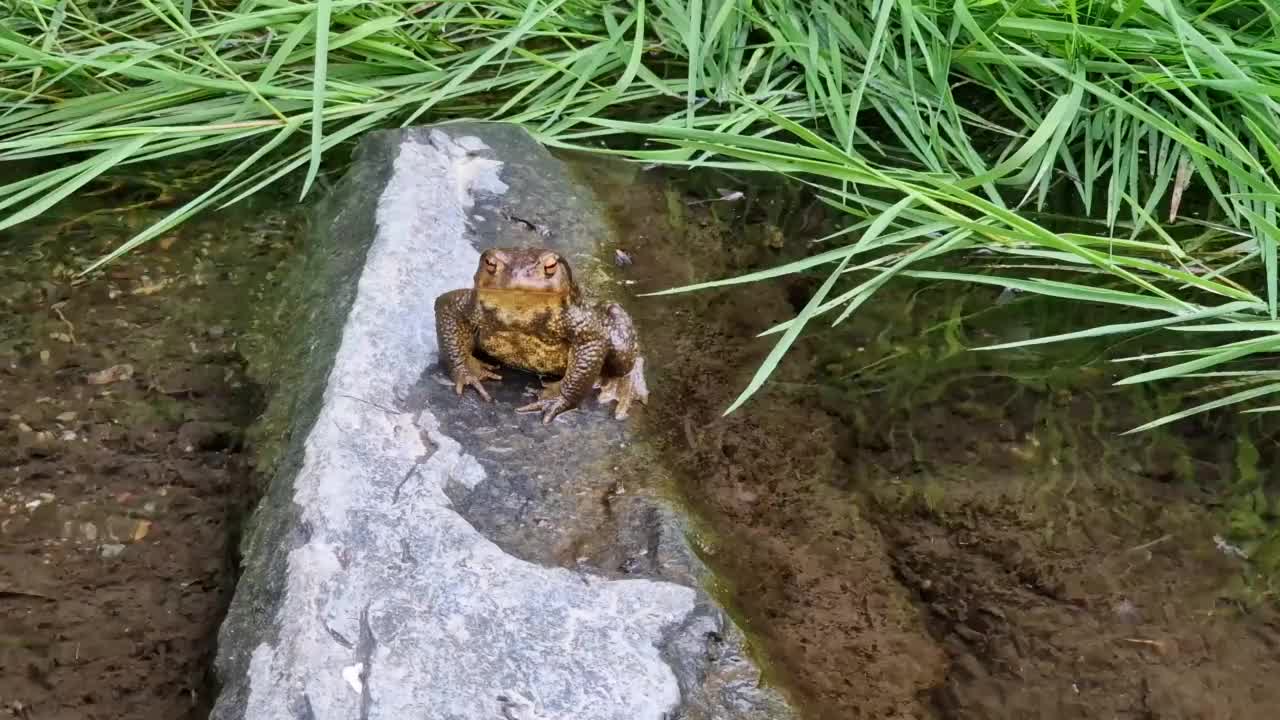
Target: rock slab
408,561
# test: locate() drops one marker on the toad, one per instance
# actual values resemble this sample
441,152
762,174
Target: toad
526,311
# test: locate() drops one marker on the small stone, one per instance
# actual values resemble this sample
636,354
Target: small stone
150,287
36,444
216,332
24,427
774,238
119,527
115,373
67,436
44,357
89,531
110,550
67,417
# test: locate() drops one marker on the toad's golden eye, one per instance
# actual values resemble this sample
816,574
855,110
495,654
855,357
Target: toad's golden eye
490,264
549,264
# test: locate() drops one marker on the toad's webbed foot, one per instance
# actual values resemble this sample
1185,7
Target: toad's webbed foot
625,389
550,403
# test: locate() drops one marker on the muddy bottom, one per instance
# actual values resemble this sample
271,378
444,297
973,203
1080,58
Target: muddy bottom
123,401
909,530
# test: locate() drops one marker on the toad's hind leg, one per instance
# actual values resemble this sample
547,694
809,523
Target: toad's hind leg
623,377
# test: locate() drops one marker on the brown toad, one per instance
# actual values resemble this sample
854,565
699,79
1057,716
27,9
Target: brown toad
526,312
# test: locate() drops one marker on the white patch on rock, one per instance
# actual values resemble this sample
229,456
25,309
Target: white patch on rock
351,674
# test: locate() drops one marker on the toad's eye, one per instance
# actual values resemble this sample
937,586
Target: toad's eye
490,264
549,265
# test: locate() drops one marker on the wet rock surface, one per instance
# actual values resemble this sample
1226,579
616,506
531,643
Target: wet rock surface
420,552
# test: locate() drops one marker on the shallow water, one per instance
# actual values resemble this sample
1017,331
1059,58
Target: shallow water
911,529
123,473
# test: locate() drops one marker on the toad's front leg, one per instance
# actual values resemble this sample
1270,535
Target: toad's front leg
586,358
456,336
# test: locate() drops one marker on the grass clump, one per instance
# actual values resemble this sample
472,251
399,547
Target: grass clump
938,127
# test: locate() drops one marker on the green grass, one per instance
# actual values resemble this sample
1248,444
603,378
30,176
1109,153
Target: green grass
937,127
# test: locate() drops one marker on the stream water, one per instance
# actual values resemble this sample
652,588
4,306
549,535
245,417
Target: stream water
124,400
905,528
909,529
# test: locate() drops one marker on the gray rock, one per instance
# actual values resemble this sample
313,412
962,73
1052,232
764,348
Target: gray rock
420,555
111,550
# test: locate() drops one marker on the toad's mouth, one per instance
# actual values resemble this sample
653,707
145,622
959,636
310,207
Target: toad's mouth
520,291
